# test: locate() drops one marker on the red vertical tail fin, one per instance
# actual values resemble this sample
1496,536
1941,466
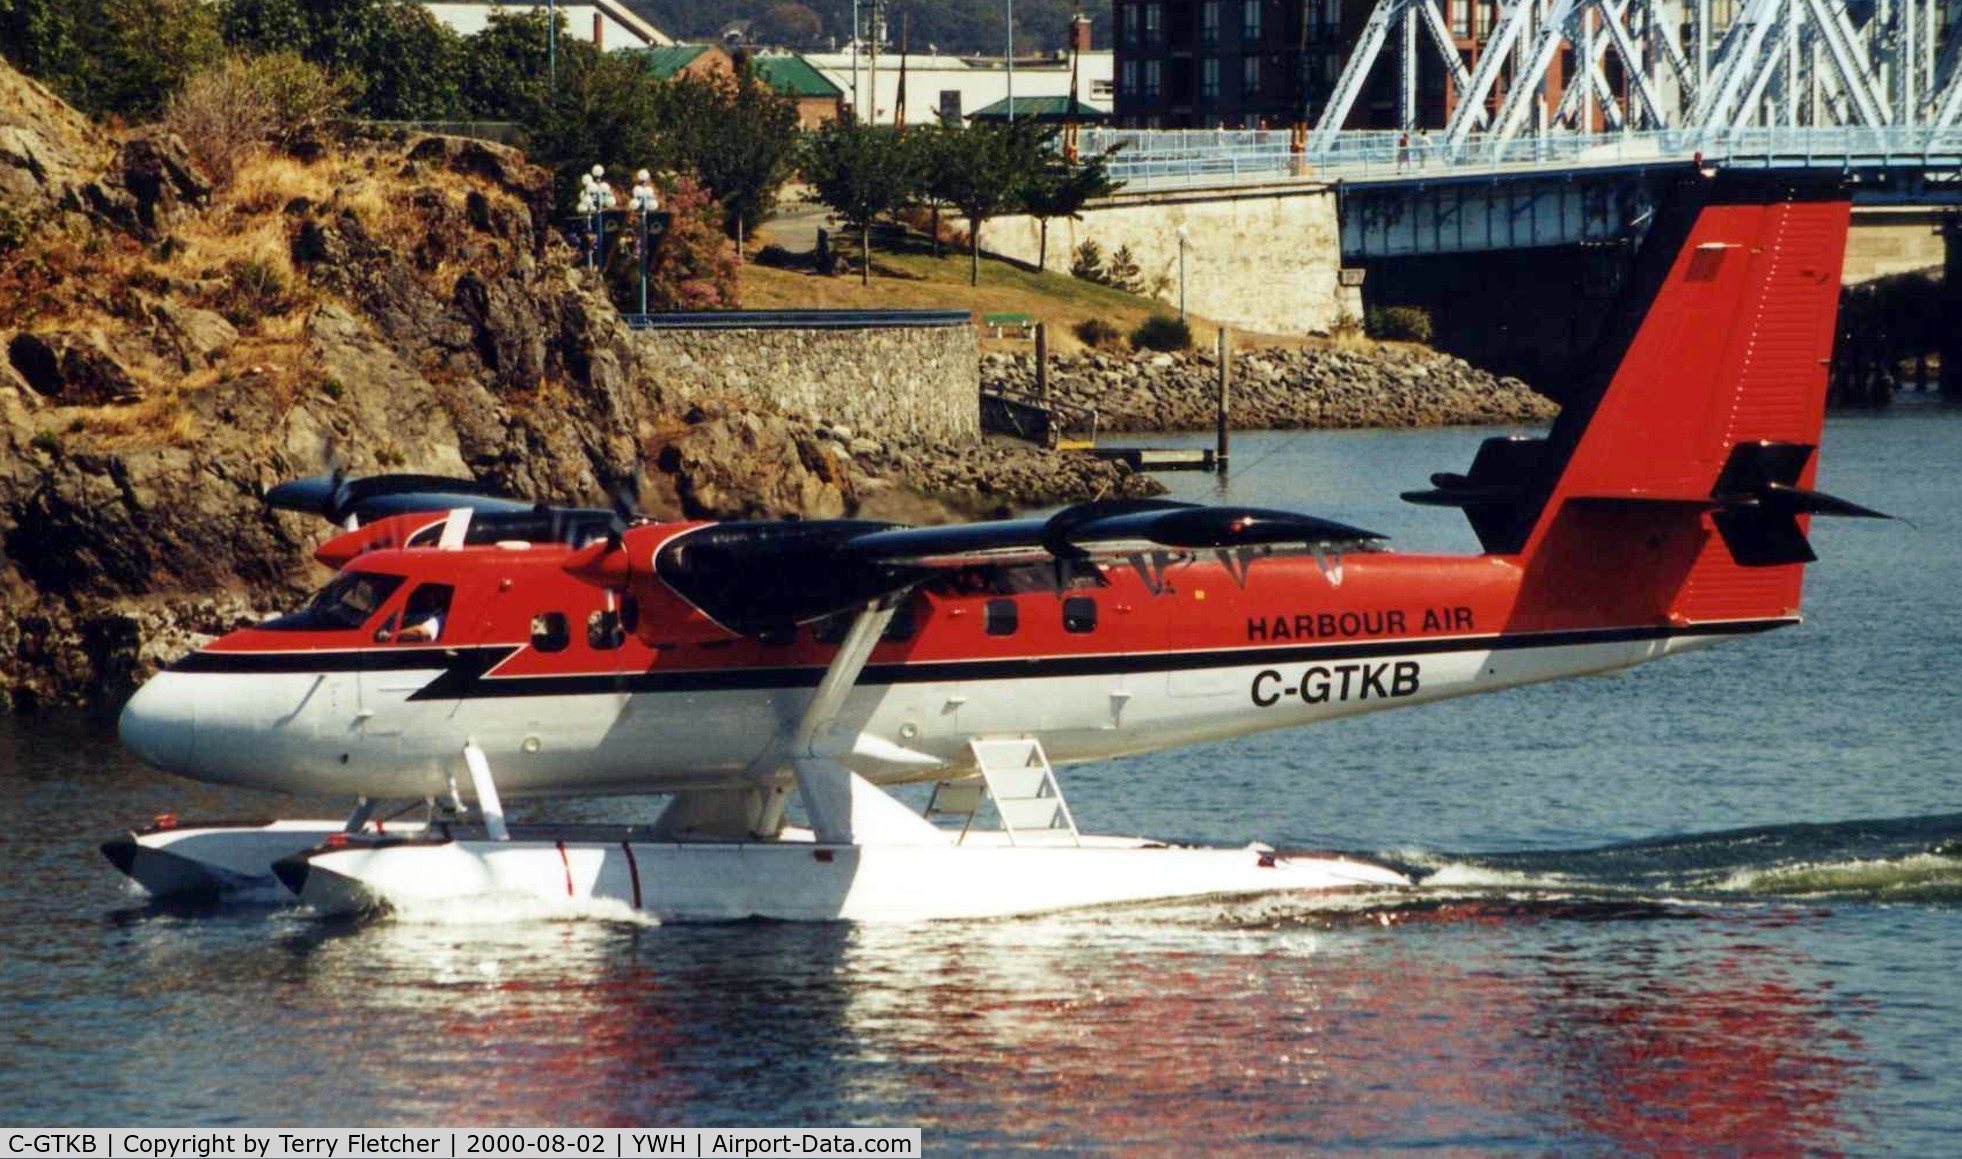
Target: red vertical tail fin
1676,483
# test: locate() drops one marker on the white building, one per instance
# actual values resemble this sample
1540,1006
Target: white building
949,85
609,23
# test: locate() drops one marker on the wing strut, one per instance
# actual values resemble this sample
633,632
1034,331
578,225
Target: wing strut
845,808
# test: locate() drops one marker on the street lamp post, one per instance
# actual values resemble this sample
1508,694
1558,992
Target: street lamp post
595,198
1183,234
645,201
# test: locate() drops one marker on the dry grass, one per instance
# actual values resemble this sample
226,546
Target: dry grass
267,181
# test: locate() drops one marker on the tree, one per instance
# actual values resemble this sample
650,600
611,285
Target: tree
790,24
113,56
737,134
860,171
936,155
410,66
506,68
693,265
604,110
1061,189
38,36
990,171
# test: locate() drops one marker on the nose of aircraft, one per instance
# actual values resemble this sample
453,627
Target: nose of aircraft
159,724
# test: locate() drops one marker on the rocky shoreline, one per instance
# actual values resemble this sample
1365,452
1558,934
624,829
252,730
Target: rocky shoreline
1278,388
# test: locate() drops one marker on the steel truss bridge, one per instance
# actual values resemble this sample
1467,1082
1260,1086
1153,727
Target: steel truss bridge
1545,66
1583,88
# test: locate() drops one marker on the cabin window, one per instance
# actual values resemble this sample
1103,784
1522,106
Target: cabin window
426,615
348,601
603,631
1002,618
1079,614
386,632
549,632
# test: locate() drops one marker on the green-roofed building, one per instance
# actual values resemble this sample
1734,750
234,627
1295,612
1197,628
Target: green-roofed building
1047,110
788,75
672,61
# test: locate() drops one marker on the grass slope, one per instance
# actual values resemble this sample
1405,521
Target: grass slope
906,276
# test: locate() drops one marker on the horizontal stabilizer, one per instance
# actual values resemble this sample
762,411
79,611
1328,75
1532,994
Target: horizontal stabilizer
1755,504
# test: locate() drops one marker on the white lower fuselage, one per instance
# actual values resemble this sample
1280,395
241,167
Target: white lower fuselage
366,733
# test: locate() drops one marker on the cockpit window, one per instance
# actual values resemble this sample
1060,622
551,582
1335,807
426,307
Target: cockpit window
424,616
348,601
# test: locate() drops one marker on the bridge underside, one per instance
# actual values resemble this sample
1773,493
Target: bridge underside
1406,219
1496,212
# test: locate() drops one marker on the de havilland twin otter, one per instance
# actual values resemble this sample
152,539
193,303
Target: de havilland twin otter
472,647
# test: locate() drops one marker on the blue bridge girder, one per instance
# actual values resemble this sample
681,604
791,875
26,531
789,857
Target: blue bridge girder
1402,195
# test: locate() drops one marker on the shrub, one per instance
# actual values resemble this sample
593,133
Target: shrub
230,110
1119,272
223,115
13,229
1122,273
1097,333
1162,332
1087,262
255,288
1398,323
692,267
778,258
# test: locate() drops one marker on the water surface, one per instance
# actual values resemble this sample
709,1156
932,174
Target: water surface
1659,915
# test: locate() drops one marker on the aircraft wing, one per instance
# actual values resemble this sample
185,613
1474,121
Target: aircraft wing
1112,531
755,577
337,498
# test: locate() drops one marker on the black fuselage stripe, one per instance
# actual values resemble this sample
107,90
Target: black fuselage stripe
464,675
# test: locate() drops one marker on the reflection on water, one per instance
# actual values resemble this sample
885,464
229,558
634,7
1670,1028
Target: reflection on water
1154,1029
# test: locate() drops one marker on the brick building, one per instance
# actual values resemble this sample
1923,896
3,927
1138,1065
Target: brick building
1273,63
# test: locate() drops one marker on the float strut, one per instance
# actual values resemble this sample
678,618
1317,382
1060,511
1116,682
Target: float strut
486,790
364,809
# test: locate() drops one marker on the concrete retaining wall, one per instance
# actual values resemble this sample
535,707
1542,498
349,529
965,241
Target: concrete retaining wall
1258,259
898,378
1886,240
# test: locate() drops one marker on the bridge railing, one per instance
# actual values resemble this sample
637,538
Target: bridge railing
1171,158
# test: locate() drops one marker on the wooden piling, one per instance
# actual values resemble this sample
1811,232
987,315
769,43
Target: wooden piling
1220,452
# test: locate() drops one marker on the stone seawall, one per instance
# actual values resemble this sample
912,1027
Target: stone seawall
913,378
1280,388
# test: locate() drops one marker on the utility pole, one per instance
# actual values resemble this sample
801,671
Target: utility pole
1010,59
875,63
552,45
857,30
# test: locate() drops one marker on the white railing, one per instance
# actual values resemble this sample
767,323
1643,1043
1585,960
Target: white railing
1174,158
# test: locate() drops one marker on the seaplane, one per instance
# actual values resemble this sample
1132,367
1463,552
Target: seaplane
472,648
